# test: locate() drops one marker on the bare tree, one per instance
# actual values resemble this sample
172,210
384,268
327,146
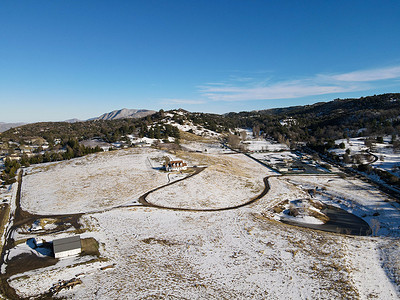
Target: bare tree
243,135
375,226
233,140
369,143
256,131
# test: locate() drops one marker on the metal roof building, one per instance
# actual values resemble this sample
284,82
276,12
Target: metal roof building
67,246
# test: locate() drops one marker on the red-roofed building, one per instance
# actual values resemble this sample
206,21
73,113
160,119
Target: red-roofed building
176,165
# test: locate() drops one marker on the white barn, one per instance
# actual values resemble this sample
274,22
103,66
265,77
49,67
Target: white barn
69,246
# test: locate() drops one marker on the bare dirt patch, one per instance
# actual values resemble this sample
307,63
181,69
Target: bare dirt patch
27,262
90,247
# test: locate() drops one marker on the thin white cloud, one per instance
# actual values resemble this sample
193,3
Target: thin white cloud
311,86
285,90
369,75
183,101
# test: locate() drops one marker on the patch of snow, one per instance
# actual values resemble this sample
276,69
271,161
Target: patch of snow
358,198
241,253
216,186
301,219
91,183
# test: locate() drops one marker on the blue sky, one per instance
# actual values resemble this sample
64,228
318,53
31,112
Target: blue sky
79,59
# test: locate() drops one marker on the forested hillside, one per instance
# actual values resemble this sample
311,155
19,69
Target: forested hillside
373,115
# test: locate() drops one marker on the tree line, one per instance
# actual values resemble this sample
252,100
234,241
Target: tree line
72,149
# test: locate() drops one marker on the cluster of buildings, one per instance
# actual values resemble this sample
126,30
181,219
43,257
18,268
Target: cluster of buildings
30,147
175,165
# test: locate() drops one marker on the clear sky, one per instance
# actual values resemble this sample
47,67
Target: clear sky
79,58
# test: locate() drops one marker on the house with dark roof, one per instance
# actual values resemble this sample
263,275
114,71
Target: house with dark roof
69,246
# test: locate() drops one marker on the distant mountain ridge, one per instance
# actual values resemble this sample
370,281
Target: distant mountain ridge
124,113
6,126
73,120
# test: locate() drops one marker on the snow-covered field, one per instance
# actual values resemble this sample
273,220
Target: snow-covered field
388,158
356,145
206,148
240,254
263,145
274,158
91,183
234,180
231,254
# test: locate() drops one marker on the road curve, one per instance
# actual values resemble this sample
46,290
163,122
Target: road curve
144,202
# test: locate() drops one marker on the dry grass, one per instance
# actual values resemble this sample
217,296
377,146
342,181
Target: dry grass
44,167
318,215
191,137
280,207
4,216
90,247
159,241
228,164
45,221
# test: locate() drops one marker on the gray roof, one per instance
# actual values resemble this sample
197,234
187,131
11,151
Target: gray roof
66,244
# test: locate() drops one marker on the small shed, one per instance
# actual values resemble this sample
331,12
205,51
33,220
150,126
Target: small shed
67,246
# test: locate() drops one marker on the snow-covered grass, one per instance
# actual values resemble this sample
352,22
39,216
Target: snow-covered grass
253,144
231,254
40,281
274,158
91,183
195,129
388,158
234,180
356,145
241,253
207,148
263,145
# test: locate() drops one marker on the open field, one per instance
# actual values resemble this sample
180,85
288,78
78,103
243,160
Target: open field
145,252
231,181
236,254
91,183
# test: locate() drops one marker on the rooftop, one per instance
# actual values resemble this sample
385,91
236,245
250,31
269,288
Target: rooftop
66,244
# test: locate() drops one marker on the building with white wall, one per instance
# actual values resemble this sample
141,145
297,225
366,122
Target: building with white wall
69,246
